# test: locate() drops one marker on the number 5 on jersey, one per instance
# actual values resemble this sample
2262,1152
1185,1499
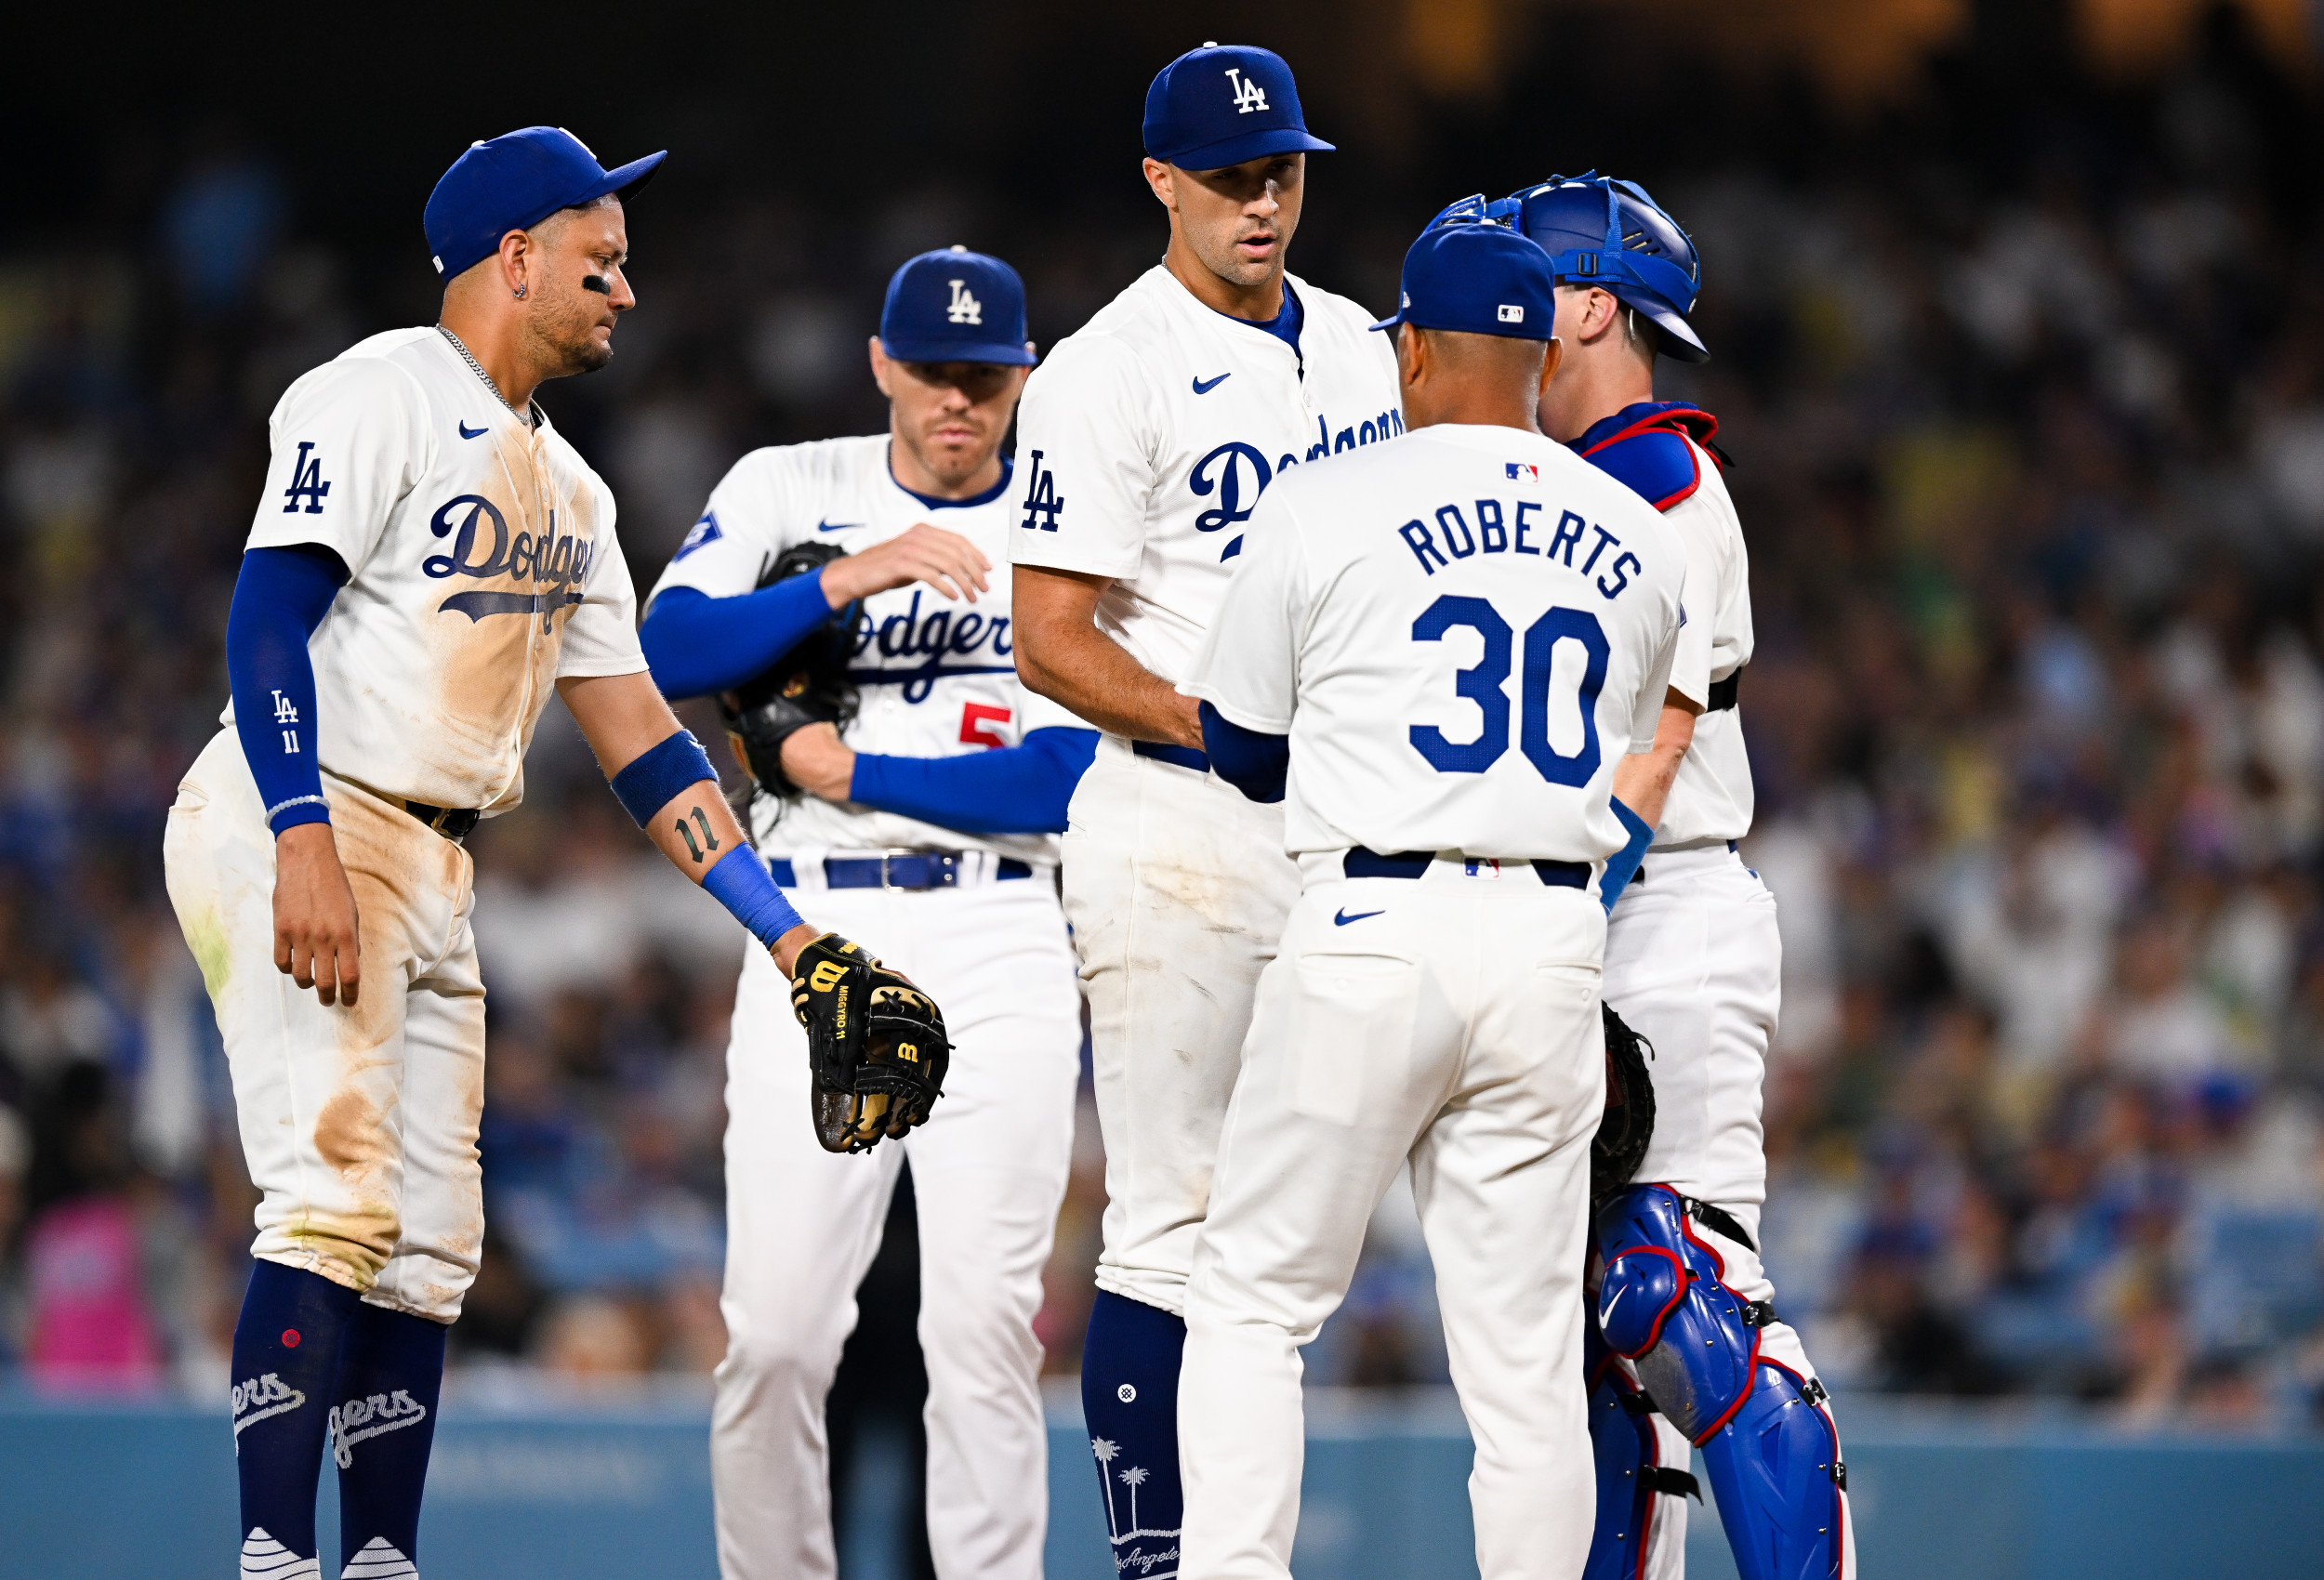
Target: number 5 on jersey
1042,502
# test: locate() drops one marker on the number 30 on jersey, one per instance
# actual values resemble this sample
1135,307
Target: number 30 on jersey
1482,683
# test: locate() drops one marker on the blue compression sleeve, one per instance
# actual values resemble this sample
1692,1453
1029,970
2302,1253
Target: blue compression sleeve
697,644
740,881
280,595
1251,760
1008,790
659,772
1623,865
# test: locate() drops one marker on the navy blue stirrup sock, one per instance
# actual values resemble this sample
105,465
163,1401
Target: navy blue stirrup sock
1130,1398
383,1421
286,1350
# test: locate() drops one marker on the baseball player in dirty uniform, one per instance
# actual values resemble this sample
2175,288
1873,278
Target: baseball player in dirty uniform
428,559
1692,961
931,822
1436,654
1147,439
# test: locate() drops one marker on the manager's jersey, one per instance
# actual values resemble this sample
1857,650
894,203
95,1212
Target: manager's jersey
1462,633
482,568
1711,798
1148,435
935,676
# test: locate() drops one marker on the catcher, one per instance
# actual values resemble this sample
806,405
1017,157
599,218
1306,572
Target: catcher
906,785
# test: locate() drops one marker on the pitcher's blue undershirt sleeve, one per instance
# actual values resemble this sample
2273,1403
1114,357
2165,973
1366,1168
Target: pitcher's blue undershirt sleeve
697,644
1020,789
1251,760
280,595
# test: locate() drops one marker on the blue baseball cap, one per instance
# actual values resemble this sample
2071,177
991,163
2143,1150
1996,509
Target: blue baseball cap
955,306
1222,104
512,183
1477,279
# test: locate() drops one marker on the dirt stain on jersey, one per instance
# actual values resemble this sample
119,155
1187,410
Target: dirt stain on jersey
494,670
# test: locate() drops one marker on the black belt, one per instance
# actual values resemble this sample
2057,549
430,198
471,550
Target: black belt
1362,862
1176,756
1723,693
455,823
910,869
1638,878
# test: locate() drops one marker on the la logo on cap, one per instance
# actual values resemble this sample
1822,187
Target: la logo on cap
1248,96
1513,313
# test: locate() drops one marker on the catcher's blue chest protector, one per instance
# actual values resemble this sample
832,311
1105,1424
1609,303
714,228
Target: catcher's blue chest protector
1767,1441
1645,447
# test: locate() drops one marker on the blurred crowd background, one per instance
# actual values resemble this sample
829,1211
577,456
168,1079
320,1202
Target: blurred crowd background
2017,312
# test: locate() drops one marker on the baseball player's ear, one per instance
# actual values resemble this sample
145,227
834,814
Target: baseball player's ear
1556,355
1159,177
879,365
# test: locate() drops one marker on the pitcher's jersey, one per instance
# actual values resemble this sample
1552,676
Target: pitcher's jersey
1147,437
482,568
935,676
1462,633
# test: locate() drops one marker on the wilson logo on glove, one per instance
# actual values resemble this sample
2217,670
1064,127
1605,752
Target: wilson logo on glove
875,1075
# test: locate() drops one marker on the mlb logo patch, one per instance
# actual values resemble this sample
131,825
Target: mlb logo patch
1523,470
705,531
1513,313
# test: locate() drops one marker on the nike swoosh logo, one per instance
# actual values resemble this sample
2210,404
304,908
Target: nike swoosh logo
836,526
1341,918
478,434
1204,385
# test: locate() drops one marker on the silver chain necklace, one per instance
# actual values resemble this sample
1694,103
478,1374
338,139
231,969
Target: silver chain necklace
477,368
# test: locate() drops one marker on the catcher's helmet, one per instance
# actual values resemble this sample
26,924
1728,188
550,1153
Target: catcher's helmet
1609,234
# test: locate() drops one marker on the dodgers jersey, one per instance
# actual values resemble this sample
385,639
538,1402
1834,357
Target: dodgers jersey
1147,438
1460,632
936,677
1711,798
482,568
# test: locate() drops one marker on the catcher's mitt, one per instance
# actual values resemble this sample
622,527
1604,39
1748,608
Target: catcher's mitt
1628,1122
807,685
876,1045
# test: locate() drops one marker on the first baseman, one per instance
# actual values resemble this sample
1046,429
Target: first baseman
429,559
928,820
1436,654
1146,441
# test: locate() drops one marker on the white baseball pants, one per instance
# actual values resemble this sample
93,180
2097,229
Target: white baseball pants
1693,962
1452,1020
988,1173
357,1121
1176,888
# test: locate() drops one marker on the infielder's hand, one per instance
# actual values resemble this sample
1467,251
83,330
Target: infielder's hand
816,760
317,935
946,561
877,1051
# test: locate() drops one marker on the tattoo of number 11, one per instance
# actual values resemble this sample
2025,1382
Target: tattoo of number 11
702,820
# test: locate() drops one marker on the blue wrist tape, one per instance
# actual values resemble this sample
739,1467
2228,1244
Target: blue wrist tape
646,786
1621,866
739,881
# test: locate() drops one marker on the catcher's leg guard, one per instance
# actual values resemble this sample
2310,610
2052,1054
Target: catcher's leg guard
1664,1283
1627,1449
1776,1469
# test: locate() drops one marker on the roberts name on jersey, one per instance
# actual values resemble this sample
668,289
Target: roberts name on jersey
936,677
1147,437
482,568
